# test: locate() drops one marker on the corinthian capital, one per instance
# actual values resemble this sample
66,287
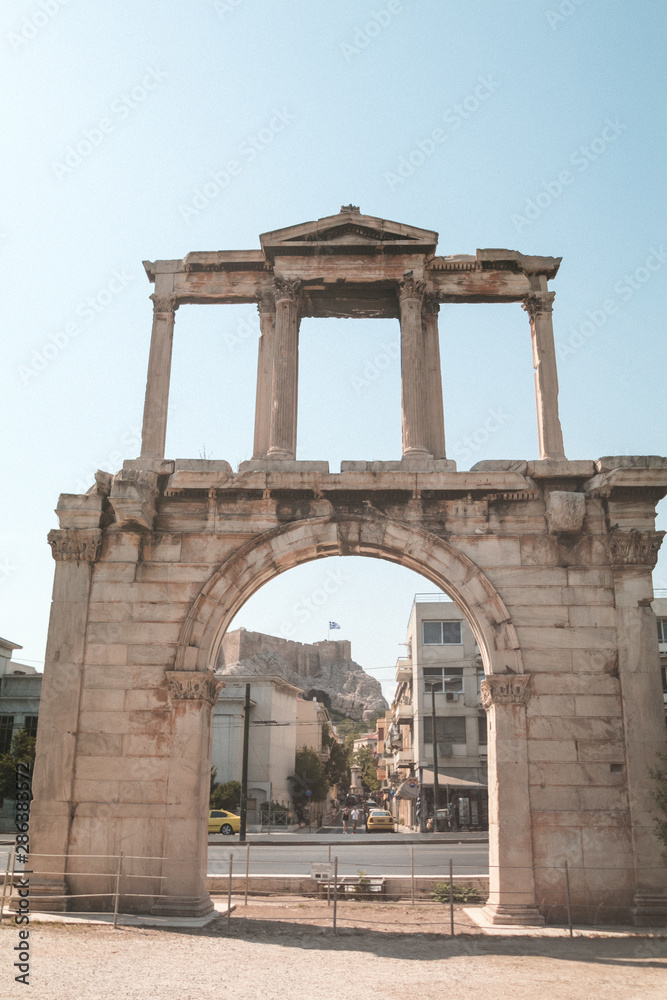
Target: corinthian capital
430,305
410,288
505,689
190,685
266,302
164,303
286,288
75,544
538,303
635,548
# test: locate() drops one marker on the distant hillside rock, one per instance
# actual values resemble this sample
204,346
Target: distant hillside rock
324,670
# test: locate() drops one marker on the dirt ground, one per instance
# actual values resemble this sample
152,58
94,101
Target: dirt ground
285,948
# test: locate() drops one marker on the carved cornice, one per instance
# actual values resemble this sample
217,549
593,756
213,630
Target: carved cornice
410,288
635,548
538,303
286,288
505,689
190,685
75,544
430,305
266,303
164,303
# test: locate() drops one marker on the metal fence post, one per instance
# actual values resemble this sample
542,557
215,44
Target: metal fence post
117,893
335,906
247,873
4,886
412,874
229,891
451,897
569,906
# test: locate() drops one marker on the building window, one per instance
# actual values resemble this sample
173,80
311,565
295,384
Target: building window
442,633
664,682
448,729
6,732
448,679
662,630
482,730
30,725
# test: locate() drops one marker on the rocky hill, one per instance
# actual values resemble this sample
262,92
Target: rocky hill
324,670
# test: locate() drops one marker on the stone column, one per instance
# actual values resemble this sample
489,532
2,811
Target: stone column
156,403
511,874
267,323
539,306
413,375
284,384
633,555
184,893
75,550
435,413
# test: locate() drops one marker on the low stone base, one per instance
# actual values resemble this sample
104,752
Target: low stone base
282,465
49,896
183,906
407,464
649,909
513,915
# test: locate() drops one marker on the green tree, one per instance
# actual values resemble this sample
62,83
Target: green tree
365,759
22,749
226,796
658,776
309,773
337,768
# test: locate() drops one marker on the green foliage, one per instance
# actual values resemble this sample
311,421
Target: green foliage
361,887
214,784
337,768
226,796
658,776
365,759
462,893
309,773
22,749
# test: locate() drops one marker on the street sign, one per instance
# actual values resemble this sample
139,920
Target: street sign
321,870
308,791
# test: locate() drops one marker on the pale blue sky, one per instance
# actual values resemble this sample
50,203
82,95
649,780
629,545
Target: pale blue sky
354,99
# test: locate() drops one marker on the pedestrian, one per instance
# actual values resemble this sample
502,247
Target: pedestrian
355,819
346,818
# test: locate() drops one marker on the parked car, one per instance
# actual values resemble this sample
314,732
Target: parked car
222,821
370,804
380,820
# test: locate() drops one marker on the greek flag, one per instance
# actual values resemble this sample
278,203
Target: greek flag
334,625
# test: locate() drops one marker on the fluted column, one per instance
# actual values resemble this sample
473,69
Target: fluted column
284,384
413,380
154,431
267,324
539,306
435,412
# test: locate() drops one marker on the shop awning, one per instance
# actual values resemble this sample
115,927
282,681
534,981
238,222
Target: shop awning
410,789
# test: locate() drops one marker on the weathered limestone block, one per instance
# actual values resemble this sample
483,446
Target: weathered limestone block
565,511
133,498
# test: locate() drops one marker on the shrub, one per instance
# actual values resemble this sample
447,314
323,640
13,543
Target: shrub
461,894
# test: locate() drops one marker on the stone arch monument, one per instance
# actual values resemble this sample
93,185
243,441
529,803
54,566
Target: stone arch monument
550,559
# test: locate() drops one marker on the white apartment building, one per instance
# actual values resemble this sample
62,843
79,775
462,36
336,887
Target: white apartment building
659,606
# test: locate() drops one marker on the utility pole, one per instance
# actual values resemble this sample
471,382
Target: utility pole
436,786
244,766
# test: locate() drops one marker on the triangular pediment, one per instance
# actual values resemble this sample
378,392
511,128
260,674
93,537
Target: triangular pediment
350,231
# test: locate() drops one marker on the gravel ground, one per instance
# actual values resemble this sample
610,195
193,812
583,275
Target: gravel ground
285,950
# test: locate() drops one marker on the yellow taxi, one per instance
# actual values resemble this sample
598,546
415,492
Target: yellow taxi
222,821
380,820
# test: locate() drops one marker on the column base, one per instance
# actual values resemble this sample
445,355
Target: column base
649,908
513,914
183,906
47,896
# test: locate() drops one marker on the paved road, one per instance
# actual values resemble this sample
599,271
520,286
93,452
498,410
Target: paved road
376,859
